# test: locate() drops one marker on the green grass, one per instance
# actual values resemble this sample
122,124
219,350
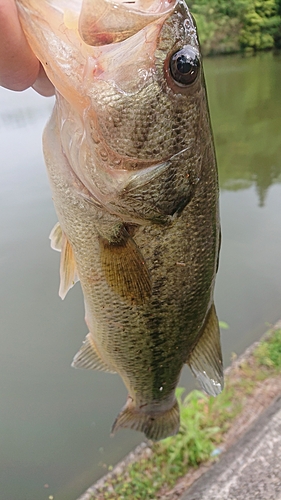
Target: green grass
269,353
204,421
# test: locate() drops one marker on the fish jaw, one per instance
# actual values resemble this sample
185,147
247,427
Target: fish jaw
52,29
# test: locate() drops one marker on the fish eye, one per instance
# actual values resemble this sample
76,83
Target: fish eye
185,65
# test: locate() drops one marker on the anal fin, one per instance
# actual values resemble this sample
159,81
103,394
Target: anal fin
87,357
205,360
124,267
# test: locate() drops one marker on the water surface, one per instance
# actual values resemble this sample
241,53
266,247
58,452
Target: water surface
55,421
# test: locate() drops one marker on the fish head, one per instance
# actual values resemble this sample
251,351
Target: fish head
140,91
147,123
146,92
131,101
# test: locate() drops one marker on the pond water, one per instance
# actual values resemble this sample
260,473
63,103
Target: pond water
55,421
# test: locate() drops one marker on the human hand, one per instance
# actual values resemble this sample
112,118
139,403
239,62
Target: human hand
19,67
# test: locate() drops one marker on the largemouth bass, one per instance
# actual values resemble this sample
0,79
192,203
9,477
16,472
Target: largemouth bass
131,163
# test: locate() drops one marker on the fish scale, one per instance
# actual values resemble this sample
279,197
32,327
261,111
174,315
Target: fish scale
131,163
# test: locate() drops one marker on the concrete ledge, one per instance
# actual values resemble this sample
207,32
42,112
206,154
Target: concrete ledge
251,469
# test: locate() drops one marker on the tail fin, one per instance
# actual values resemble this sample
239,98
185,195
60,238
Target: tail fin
155,426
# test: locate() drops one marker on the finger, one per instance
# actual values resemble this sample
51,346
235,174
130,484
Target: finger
19,67
42,84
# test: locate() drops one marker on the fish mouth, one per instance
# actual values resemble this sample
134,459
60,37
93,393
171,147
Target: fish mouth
105,21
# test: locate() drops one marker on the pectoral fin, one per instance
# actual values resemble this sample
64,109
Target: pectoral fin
87,357
124,267
205,360
68,271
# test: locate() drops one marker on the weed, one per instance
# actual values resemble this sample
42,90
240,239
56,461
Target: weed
269,352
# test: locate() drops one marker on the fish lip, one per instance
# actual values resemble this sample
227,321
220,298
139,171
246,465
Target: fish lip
130,8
